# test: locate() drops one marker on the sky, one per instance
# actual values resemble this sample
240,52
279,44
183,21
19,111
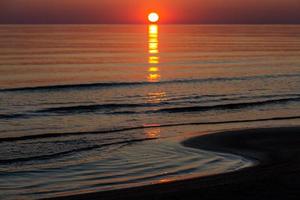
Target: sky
135,11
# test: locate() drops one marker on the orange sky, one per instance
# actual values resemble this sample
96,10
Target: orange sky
135,11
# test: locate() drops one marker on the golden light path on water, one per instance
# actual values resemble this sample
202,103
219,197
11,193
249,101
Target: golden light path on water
153,74
153,59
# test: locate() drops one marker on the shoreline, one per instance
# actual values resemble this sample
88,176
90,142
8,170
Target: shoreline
276,175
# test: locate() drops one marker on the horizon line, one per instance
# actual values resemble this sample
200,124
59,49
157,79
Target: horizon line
150,23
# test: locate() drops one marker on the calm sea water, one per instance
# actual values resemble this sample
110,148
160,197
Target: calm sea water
94,108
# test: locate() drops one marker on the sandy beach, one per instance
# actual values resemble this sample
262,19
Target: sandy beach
275,176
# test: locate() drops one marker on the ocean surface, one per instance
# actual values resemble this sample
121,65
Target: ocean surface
86,108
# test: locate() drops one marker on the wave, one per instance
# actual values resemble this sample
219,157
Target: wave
66,134
55,155
129,108
13,116
124,84
90,108
228,106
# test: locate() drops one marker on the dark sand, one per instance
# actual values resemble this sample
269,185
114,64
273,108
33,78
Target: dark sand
277,175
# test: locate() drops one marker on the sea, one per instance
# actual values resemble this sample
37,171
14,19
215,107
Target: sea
91,108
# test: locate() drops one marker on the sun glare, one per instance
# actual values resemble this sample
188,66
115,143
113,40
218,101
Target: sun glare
153,17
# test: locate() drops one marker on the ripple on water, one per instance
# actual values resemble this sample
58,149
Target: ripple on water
143,163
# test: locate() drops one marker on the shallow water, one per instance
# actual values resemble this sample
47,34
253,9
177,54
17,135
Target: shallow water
99,107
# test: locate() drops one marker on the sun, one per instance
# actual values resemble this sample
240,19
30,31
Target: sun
153,17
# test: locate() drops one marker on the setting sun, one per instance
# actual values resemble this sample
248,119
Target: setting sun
153,17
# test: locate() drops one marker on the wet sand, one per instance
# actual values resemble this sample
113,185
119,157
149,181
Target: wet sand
275,176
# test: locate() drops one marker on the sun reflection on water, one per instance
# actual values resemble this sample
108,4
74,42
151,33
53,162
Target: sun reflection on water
154,75
153,69
153,133
165,180
156,97
153,60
